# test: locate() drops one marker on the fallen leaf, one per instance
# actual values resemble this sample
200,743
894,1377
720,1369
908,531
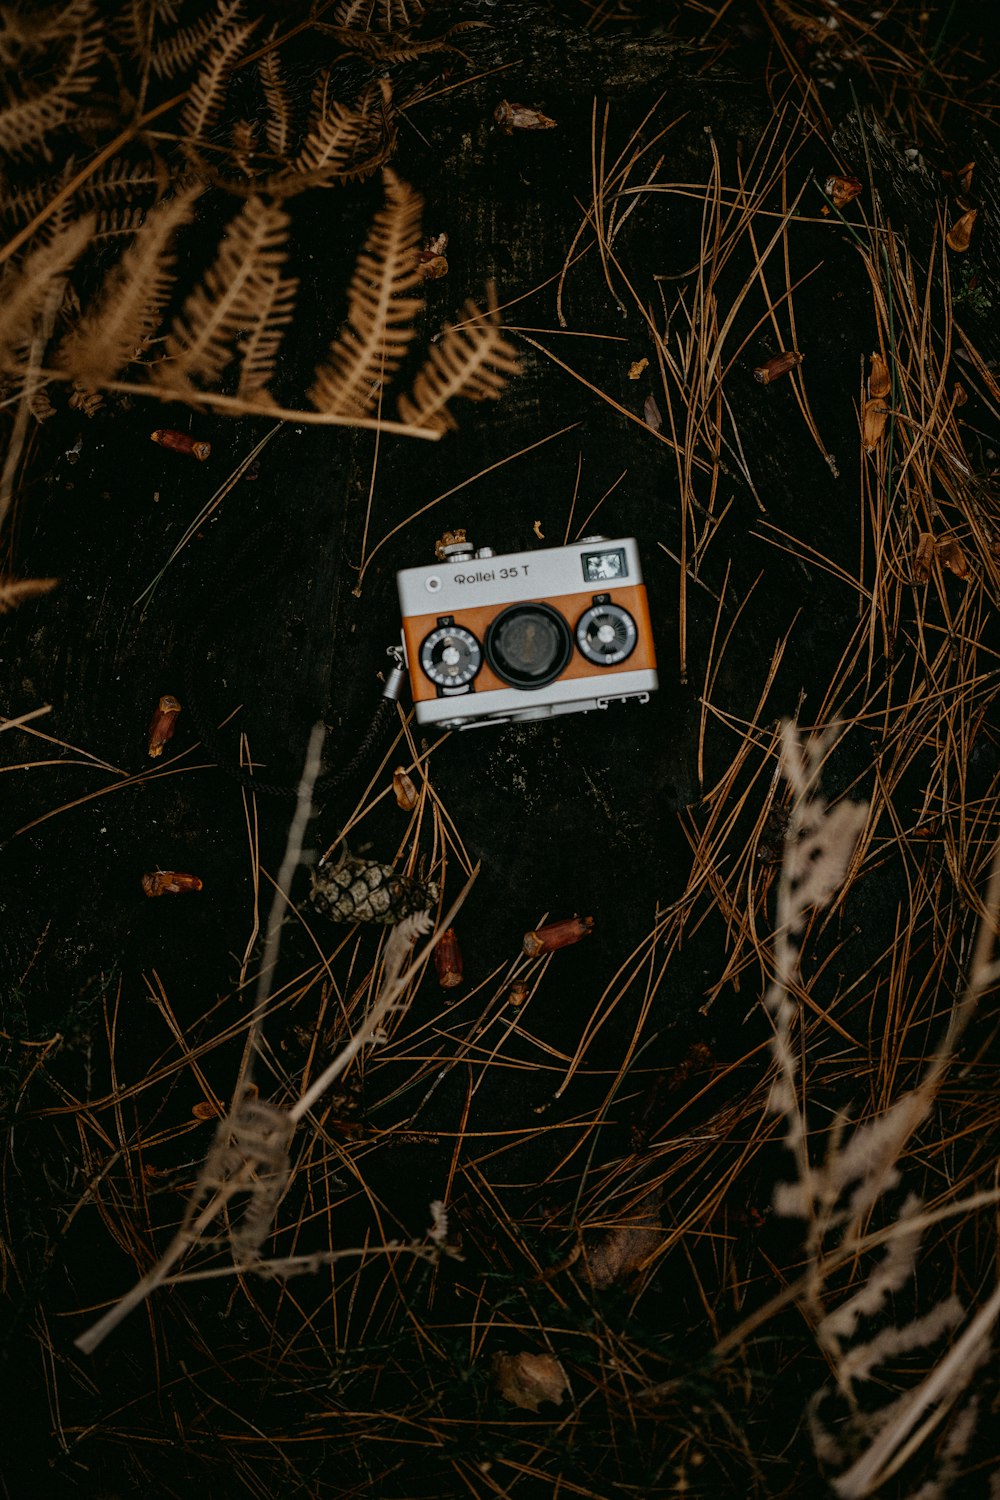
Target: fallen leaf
953,557
620,1254
840,191
404,790
636,368
511,117
528,1379
923,558
651,414
960,233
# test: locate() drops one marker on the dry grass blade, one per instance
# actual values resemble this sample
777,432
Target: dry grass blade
380,309
471,359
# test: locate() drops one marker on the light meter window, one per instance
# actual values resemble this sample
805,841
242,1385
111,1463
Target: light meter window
604,566
528,645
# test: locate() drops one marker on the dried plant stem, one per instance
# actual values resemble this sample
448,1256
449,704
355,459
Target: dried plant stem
385,1002
255,408
280,900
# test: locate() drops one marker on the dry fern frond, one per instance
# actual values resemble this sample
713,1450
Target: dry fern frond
24,292
137,23
25,122
14,591
473,360
340,141
379,311
392,49
130,304
243,294
26,32
189,45
278,126
378,15
208,92
115,222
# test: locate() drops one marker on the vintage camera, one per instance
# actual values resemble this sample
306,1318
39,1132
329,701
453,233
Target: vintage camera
526,635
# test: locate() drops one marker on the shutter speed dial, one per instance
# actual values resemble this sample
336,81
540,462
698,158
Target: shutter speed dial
451,656
606,634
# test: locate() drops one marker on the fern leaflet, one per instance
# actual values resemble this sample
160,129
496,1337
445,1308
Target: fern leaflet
279,110
207,93
472,359
187,46
380,313
242,295
25,122
25,292
129,307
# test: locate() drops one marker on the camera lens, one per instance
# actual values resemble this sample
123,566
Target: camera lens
528,645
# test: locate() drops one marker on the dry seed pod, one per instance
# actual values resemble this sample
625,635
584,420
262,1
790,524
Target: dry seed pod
448,960
953,557
404,790
556,935
777,365
511,117
878,377
518,993
206,1110
960,233
840,191
163,724
181,442
362,890
873,419
959,395
169,883
923,558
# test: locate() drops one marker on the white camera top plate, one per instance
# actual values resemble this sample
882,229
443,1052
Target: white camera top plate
446,588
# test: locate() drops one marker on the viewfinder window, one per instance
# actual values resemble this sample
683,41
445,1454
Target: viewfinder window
605,566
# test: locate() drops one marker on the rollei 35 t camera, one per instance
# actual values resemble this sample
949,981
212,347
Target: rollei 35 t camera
526,635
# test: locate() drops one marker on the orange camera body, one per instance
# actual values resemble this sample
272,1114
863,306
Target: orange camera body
526,635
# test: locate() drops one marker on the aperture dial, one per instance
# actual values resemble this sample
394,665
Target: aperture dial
451,656
606,633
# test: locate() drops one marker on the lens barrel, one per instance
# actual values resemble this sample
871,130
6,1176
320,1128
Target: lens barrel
528,645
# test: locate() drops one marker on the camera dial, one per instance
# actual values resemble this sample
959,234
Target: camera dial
528,645
451,656
606,634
